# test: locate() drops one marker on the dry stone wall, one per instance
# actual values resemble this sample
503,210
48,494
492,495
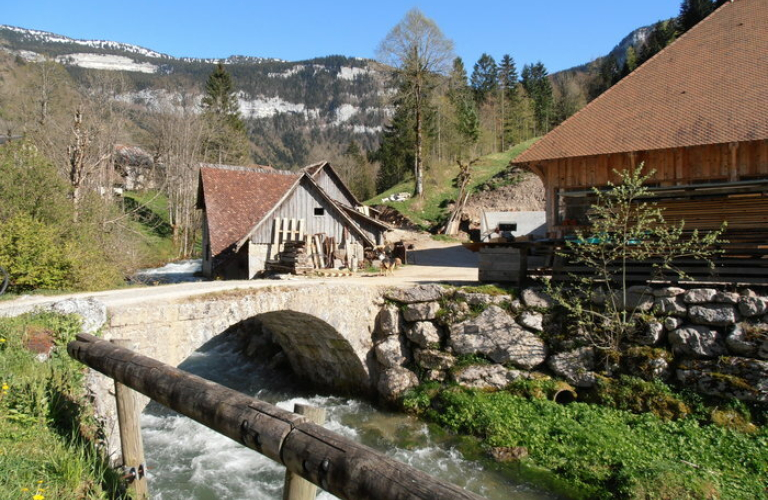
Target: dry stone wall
713,341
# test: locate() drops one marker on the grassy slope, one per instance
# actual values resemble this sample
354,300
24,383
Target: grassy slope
151,208
46,432
439,189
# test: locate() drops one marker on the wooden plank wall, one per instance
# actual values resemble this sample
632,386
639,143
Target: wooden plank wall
696,164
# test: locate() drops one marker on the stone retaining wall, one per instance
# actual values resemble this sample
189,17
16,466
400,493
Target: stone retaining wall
711,340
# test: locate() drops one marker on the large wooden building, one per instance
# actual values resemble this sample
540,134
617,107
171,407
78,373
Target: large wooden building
696,114
249,214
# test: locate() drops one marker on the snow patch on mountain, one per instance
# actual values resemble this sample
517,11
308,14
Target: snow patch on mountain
106,62
347,73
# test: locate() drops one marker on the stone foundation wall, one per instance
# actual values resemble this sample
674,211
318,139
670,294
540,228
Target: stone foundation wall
713,341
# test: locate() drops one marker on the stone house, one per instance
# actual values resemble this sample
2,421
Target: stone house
249,213
696,114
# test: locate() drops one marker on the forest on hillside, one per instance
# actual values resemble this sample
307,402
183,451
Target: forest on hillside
66,221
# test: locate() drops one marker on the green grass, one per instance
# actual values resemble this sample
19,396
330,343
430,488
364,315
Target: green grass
605,452
152,221
47,432
439,187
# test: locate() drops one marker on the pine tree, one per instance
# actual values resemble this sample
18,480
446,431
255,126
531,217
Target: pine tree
508,99
691,12
228,139
508,77
535,81
485,78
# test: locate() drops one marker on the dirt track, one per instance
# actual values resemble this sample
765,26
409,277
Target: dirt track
429,262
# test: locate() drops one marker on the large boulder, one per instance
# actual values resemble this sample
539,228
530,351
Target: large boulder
674,306
647,362
575,366
532,320
423,333
648,334
485,377
751,306
712,314
670,291
421,311
740,378
93,313
393,351
481,299
699,295
696,341
422,293
497,336
395,381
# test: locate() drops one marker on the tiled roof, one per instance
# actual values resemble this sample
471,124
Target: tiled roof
708,87
236,198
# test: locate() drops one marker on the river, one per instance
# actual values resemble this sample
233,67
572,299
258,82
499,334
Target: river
191,462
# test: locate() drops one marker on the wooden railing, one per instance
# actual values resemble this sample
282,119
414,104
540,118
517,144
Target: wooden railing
338,465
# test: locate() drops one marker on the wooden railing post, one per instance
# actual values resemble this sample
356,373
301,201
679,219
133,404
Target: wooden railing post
296,487
130,436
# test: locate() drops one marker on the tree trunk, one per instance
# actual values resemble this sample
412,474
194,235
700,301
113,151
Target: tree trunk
417,169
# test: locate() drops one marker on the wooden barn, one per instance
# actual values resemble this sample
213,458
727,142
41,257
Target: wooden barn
251,215
696,114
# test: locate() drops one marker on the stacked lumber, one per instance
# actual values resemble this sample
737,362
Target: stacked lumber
294,258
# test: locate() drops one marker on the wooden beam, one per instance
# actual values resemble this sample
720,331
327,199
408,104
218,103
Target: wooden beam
339,465
296,487
733,166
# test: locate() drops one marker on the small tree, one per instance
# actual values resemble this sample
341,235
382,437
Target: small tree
624,228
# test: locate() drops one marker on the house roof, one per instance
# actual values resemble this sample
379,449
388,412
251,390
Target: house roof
236,198
315,169
707,87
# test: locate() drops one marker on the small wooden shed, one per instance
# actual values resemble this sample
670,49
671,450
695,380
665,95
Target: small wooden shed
249,214
696,114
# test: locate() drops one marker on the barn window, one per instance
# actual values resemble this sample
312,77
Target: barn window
320,211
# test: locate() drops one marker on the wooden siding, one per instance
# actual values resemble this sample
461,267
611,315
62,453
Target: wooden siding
673,167
333,188
301,205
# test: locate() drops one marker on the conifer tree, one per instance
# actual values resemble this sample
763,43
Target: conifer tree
228,140
691,12
535,81
485,78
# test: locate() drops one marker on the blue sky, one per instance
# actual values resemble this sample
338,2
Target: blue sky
560,33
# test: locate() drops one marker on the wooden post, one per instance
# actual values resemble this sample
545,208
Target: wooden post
296,487
130,436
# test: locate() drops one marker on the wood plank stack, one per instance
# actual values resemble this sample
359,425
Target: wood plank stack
294,258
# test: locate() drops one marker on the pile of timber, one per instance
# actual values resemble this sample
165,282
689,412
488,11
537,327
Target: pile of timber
294,258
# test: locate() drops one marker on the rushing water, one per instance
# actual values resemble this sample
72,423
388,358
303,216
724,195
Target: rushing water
182,271
191,462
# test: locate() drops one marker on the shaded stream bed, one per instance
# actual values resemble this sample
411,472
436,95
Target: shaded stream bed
188,461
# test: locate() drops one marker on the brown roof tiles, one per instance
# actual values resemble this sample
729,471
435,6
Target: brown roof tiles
236,198
708,87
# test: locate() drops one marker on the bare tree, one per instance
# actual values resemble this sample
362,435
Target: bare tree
417,50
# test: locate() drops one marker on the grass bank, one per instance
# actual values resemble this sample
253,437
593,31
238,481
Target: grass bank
439,188
47,432
604,452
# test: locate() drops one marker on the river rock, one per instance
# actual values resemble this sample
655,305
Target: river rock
575,366
423,333
699,295
752,306
422,311
485,377
435,376
697,341
673,306
728,377
389,320
649,334
712,314
647,363
745,340
496,335
393,351
395,381
532,320
93,313
669,291
533,297
508,453
433,359
422,293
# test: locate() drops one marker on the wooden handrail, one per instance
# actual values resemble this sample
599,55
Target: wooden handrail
339,465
